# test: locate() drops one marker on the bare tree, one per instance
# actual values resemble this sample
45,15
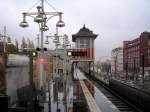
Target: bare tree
23,44
17,44
30,44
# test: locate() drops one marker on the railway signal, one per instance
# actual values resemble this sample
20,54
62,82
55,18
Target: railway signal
39,49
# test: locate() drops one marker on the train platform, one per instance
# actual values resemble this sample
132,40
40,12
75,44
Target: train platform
95,100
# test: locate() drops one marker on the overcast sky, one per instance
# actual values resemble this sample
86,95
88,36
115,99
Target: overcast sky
113,20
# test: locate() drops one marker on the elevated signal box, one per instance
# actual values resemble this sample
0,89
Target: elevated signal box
84,39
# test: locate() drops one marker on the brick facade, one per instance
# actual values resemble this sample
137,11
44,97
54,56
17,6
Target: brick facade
134,50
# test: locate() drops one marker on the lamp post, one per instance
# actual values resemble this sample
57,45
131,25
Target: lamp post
126,67
65,45
56,40
55,37
41,19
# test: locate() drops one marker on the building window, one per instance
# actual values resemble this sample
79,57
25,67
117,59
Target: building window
149,42
81,43
84,43
149,53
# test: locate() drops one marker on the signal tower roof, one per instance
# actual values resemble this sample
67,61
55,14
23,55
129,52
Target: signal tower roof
84,33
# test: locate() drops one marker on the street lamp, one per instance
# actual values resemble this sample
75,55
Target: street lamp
65,41
60,23
40,18
56,39
24,22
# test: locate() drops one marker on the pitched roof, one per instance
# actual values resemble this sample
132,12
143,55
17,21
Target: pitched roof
84,32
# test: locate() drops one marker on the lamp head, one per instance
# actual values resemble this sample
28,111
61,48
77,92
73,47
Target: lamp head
46,42
55,40
24,23
60,23
44,28
40,10
39,17
58,43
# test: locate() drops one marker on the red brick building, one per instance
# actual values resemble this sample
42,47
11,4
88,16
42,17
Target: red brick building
134,51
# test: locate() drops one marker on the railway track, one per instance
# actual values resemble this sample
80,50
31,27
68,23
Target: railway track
122,104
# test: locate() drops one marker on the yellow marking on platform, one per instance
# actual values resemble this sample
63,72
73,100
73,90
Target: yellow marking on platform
89,98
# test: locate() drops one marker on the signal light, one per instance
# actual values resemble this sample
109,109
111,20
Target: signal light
45,49
34,54
39,49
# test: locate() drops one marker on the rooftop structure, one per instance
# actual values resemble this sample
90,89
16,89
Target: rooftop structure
84,38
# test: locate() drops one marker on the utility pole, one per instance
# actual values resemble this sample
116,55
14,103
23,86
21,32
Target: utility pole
38,41
65,69
143,70
134,69
41,19
126,66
